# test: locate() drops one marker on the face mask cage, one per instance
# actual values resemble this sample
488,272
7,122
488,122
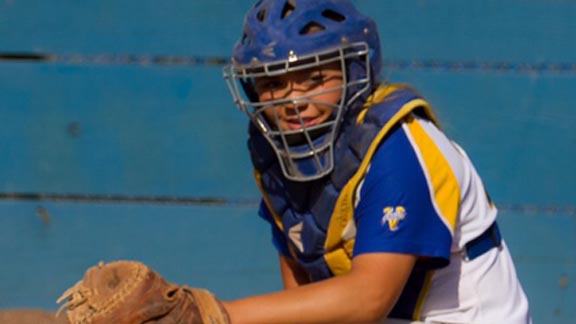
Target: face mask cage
306,152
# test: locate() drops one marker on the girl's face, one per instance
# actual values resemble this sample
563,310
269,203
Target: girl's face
322,87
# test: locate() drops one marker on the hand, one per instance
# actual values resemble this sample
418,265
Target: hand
127,292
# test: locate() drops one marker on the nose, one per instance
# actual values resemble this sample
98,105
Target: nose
295,106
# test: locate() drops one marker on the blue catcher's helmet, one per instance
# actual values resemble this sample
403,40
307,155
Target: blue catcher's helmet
282,36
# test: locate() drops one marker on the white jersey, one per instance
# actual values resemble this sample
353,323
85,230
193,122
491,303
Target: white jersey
427,193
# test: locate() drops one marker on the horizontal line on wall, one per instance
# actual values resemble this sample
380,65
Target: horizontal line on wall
502,67
168,60
225,202
161,200
110,59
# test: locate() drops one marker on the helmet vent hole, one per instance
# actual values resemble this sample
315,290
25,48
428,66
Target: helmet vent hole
333,15
312,28
288,9
261,15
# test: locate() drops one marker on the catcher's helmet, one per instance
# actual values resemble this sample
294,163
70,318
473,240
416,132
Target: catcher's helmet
282,36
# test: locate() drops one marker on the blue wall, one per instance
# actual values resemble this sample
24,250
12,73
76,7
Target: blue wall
119,139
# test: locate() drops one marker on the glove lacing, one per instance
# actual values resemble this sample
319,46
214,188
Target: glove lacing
74,296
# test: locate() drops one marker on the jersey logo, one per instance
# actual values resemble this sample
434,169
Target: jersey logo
393,216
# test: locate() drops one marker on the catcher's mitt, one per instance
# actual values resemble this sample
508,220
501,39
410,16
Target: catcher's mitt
126,292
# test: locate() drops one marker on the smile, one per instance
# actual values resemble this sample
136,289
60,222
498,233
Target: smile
294,124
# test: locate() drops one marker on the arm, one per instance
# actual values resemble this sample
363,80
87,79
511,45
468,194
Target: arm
365,295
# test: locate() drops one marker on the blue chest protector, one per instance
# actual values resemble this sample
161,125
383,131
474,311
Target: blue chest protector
314,215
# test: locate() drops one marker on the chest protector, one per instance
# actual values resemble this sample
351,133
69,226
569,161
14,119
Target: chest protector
317,217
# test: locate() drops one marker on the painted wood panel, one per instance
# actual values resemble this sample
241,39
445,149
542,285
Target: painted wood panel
167,131
542,244
45,247
126,103
509,31
121,130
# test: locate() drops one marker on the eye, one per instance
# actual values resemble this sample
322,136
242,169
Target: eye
317,77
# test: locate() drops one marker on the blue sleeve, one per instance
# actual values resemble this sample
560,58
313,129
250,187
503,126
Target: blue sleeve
278,238
395,212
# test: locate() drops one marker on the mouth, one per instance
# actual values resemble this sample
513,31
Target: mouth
295,124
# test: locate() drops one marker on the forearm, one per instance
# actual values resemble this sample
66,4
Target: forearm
344,299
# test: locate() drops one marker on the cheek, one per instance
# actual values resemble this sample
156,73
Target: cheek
269,113
332,98
264,96
326,112
273,115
